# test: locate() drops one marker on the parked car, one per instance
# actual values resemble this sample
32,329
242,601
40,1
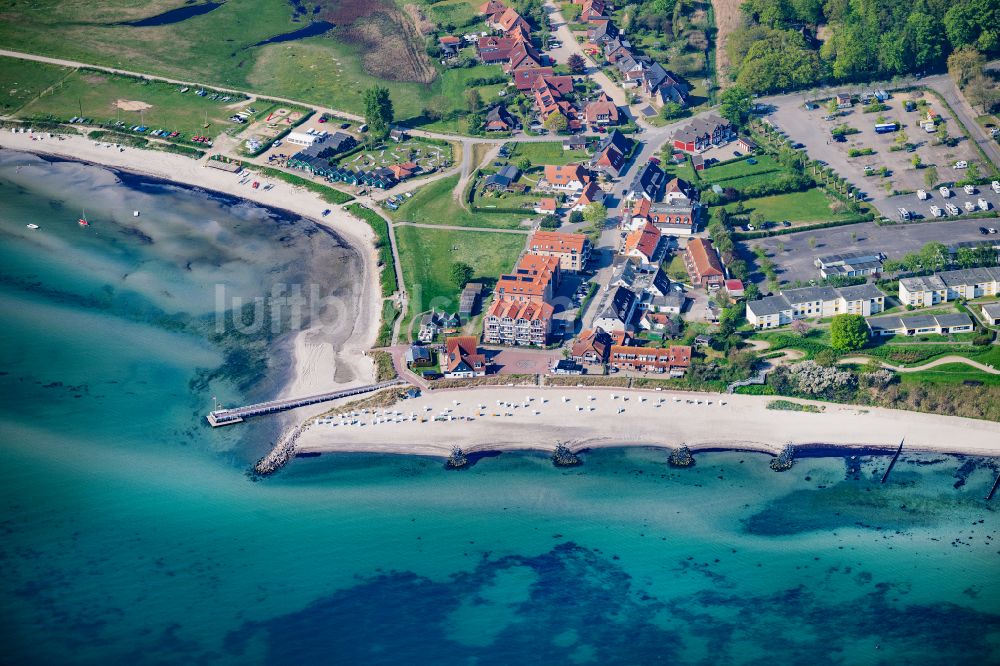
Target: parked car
737,153
984,231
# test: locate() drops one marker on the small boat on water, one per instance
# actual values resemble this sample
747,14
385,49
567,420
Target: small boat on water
32,226
83,220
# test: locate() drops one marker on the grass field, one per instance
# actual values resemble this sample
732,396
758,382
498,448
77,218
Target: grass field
453,13
98,96
223,48
434,204
546,153
427,255
738,170
809,206
21,81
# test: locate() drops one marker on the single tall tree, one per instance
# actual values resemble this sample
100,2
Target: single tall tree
848,332
378,112
577,64
735,105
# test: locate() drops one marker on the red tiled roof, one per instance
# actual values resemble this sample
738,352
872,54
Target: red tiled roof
557,241
645,240
705,259
565,174
462,348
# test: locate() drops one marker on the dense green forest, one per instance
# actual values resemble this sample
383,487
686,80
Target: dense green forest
787,44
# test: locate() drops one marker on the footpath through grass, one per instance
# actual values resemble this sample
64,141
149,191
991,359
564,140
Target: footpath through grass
387,272
434,203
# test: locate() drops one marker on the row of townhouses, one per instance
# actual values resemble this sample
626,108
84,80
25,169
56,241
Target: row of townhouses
950,285
809,302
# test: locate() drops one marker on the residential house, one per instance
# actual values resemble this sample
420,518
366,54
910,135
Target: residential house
572,250
611,153
499,120
398,135
602,33
618,311
434,323
508,22
565,367
735,288
503,179
918,324
670,303
991,313
678,191
492,9
593,10
469,298
660,86
850,264
643,246
525,78
568,177
462,358
658,322
967,283
577,142
449,45
494,49
646,183
809,302
703,264
593,346
602,111
703,133
522,56
591,193
418,356
547,206
844,101
674,360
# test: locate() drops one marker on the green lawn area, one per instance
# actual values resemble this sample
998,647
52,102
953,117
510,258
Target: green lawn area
434,204
223,48
950,373
740,169
21,81
427,255
547,152
457,13
808,206
96,95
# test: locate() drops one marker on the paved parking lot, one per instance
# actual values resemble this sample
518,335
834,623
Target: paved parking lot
809,129
795,261
525,361
922,209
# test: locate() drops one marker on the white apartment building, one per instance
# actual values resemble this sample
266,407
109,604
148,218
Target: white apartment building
950,285
814,302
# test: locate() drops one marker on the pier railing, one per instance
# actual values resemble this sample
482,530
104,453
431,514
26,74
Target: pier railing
222,417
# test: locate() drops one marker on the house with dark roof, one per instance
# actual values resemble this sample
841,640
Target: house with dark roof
814,302
646,183
593,346
917,324
602,33
618,311
611,153
503,179
498,119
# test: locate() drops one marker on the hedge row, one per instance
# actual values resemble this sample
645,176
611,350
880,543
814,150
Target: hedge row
382,243
749,235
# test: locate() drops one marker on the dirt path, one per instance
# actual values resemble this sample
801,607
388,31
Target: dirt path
727,19
944,360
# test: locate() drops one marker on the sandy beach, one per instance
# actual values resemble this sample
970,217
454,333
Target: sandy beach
318,365
588,417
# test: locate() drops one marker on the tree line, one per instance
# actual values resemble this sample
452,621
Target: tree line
779,47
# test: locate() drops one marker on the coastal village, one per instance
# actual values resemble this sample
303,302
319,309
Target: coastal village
596,217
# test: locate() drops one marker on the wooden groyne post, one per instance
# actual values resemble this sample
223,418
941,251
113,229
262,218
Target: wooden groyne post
892,463
993,490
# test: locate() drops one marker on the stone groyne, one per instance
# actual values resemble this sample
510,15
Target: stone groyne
283,451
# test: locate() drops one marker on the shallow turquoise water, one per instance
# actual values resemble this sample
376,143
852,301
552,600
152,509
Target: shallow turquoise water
129,533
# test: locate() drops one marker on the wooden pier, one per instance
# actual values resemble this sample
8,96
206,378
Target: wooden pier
892,463
224,417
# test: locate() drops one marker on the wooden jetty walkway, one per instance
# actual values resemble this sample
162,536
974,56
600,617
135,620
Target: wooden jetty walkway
224,417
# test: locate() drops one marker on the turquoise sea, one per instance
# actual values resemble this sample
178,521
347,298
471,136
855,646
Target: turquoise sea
130,534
